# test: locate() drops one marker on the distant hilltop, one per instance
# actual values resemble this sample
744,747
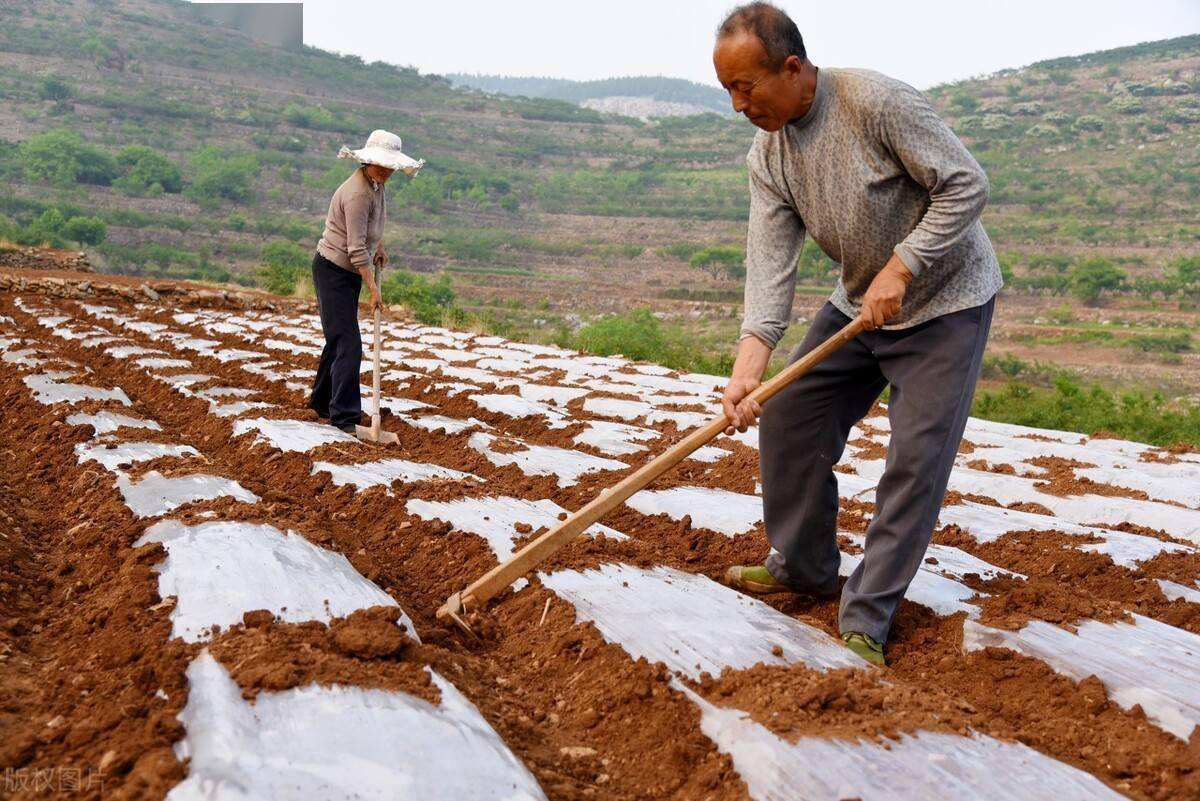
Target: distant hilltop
643,96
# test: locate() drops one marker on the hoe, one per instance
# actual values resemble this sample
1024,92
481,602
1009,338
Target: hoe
375,432
502,575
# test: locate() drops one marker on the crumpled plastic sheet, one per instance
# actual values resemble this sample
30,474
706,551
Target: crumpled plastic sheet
545,460
291,435
552,394
382,473
496,518
318,742
919,766
943,595
690,622
1174,590
48,391
155,494
615,439
449,425
1145,662
518,407
729,513
111,457
220,570
1084,509
108,422
986,523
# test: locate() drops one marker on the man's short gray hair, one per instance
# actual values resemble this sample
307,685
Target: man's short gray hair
773,27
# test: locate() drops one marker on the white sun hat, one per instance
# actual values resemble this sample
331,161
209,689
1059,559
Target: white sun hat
383,148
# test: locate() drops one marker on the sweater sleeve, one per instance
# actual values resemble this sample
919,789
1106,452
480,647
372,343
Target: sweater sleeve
357,208
936,159
773,242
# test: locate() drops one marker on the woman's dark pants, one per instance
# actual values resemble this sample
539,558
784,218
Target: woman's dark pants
335,392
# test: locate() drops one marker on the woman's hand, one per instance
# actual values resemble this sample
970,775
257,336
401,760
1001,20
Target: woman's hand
885,294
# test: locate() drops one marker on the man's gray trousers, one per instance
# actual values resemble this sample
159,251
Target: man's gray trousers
932,369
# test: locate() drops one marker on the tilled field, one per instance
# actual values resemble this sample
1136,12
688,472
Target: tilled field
206,593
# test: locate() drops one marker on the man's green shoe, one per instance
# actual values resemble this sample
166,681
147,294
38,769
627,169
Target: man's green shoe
754,578
864,646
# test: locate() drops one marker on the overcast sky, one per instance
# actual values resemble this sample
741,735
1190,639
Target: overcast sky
922,42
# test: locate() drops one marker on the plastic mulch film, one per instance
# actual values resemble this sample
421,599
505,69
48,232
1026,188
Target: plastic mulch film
1144,662
691,623
220,570
918,766
340,742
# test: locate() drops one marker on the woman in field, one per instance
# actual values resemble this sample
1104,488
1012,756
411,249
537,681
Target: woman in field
349,247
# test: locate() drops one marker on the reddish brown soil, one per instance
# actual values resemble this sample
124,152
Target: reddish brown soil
1060,479
550,688
1067,585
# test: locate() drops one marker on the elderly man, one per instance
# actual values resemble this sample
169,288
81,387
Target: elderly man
862,164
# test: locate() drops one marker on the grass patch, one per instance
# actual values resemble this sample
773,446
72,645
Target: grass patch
1070,406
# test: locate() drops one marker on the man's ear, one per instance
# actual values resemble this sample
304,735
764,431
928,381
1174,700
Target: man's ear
793,66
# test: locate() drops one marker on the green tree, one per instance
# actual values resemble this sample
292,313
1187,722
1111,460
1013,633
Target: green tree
720,260
1092,277
428,300
636,335
144,168
218,174
284,261
308,116
55,88
62,157
1185,273
85,230
46,229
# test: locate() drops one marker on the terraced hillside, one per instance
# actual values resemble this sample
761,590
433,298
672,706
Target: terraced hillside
165,145
209,594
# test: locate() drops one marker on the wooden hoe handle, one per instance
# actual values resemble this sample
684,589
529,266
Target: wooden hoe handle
502,575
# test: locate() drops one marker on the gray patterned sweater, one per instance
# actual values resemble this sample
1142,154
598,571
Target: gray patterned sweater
868,170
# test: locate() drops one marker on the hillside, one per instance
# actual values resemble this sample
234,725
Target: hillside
180,148
674,96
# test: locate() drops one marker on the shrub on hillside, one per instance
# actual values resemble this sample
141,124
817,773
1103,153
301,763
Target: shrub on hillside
640,335
221,174
55,88
1185,273
636,335
313,117
283,262
57,228
1092,277
429,301
1162,343
85,230
1126,104
720,260
145,171
61,157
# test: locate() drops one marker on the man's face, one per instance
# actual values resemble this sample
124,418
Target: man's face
766,97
